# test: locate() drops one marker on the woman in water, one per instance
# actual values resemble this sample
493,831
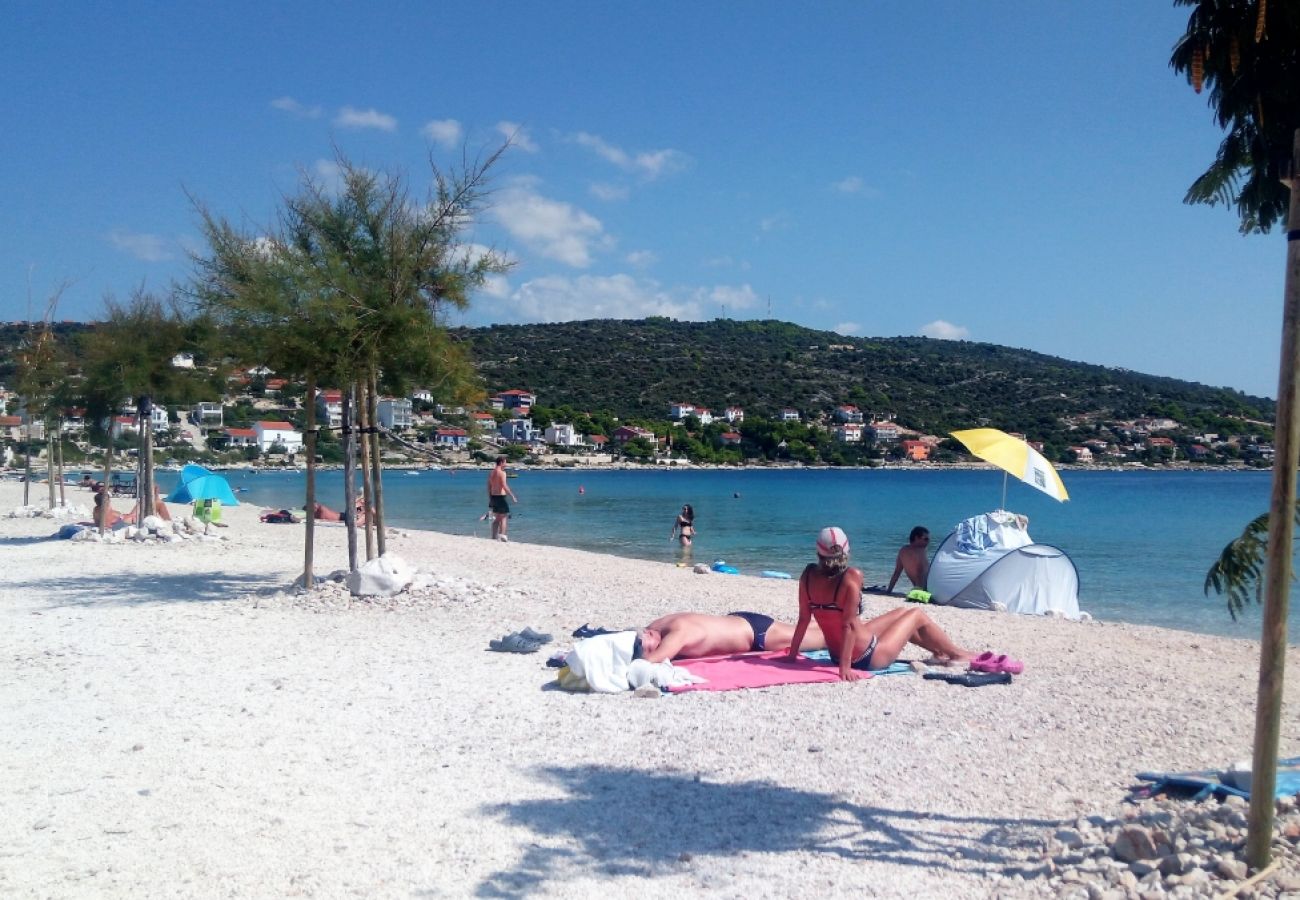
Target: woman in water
684,526
830,591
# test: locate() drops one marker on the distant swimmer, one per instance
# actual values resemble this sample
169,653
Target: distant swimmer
684,526
736,494
581,489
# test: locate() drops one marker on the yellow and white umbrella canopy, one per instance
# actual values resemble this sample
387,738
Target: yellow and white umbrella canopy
1016,457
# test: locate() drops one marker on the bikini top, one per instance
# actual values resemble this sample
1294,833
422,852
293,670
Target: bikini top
834,595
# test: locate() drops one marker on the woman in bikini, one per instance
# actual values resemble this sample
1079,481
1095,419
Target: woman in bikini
684,526
830,591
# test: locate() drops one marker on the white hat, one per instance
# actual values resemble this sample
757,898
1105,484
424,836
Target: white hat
832,541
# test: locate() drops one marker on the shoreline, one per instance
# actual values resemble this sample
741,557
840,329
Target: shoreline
174,721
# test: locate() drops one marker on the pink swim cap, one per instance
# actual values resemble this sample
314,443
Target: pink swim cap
832,541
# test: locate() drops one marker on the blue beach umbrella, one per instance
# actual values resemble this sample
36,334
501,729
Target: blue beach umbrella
197,483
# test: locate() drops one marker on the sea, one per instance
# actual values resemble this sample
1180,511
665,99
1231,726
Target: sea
1141,540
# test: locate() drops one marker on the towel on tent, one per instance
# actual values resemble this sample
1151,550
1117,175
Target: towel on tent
1216,782
754,670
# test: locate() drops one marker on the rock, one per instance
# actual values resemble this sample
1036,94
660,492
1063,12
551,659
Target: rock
1133,843
1177,863
1070,838
381,577
1143,867
1231,868
1287,881
701,569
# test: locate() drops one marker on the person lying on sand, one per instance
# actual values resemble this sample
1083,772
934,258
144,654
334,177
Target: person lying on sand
830,593
687,635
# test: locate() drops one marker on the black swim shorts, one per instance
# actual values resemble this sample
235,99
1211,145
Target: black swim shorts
760,623
497,503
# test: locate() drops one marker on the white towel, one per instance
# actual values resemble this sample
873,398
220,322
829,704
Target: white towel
661,675
603,661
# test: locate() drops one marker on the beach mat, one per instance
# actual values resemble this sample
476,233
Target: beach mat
756,670
1215,782
753,670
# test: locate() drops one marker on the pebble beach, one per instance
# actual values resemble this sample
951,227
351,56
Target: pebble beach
176,720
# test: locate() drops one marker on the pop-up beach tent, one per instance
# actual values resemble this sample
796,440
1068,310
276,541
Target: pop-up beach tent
989,561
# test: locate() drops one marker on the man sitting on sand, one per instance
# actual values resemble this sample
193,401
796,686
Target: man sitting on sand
912,559
688,635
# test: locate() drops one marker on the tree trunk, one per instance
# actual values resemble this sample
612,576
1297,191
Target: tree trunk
1281,530
349,485
27,465
50,473
108,477
63,494
146,504
309,538
367,490
377,479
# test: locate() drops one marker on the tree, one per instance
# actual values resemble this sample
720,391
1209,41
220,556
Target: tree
1248,53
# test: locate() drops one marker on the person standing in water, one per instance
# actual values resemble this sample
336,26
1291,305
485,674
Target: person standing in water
684,526
498,488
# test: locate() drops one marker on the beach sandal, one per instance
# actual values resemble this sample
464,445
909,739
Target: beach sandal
537,636
514,643
969,679
988,662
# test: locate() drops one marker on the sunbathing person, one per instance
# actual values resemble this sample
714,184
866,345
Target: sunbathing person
830,592
688,635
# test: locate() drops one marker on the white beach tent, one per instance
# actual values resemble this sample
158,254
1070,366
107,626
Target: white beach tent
990,562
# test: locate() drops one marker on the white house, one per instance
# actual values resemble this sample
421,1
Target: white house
562,435
848,433
329,406
789,415
517,431
444,409
848,413
731,438
515,399
422,395
394,413
183,361
704,414
270,434
454,438
206,415
121,425
883,432
734,414
158,420
240,437
680,410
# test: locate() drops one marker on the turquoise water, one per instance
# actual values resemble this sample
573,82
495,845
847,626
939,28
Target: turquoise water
1142,541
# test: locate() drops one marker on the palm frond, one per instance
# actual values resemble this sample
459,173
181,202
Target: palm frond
1237,571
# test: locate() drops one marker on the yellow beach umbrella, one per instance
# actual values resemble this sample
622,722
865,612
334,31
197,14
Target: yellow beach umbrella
1010,454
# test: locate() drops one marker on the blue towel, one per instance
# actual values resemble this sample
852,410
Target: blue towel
894,668
1199,785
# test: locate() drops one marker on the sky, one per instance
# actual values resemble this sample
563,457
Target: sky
1008,172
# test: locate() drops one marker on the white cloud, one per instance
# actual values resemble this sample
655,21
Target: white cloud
517,135
725,262
854,184
642,258
447,133
350,117
293,107
847,328
553,228
497,286
650,164
330,175
146,247
562,299
609,192
945,331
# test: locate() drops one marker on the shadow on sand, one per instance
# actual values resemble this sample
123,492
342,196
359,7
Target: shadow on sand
131,588
618,822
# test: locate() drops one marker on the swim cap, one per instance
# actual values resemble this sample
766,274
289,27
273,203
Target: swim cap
832,541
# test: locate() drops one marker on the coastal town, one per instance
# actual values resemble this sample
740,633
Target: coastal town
260,421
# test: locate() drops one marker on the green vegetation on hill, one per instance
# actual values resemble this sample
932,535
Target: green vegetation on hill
635,369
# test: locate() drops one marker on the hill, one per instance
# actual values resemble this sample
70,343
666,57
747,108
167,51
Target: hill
636,368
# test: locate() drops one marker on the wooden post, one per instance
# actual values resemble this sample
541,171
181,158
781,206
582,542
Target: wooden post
377,463
309,540
349,485
1281,531
367,492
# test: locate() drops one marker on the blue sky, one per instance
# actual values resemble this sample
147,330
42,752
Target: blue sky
1007,172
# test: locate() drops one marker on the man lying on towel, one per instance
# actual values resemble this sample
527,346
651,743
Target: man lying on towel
687,635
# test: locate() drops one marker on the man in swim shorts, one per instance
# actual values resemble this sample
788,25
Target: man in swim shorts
687,635
498,488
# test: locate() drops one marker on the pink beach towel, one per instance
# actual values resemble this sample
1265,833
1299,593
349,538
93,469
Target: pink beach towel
754,670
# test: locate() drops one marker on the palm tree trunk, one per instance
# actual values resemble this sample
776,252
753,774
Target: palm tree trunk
1281,530
349,485
377,480
146,505
367,489
309,537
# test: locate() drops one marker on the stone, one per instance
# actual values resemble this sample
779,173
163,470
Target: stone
1177,863
1070,838
1143,867
1133,843
1231,868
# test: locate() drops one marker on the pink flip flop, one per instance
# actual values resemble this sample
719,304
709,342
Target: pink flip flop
1009,665
984,662
989,662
